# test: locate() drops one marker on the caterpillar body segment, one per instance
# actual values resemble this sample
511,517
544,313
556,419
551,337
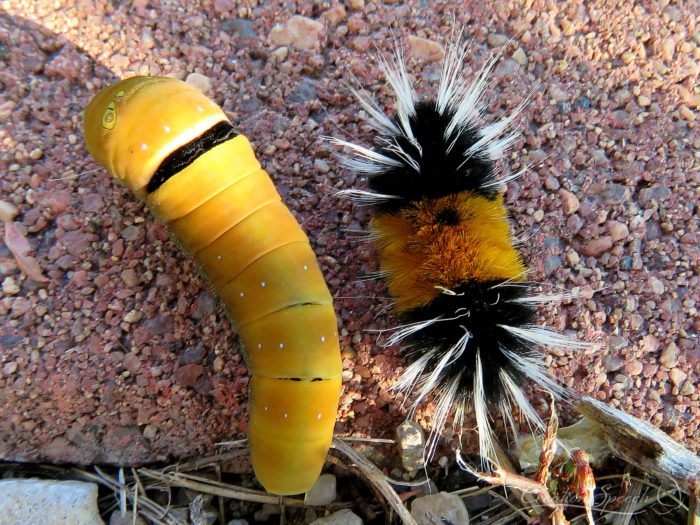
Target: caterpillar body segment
175,149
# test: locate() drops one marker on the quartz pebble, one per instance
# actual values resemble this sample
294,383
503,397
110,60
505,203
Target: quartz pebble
425,49
342,517
439,508
411,442
48,502
323,491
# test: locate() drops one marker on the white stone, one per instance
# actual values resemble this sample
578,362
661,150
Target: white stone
322,493
439,508
48,502
342,517
127,518
200,82
411,441
8,211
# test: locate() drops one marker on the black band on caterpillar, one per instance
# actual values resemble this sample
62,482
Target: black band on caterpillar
187,154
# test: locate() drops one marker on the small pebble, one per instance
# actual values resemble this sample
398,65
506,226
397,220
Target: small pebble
200,82
300,32
8,211
634,367
496,39
669,356
321,166
519,56
597,247
342,517
572,257
9,286
150,431
551,183
425,49
334,15
411,442
617,230
36,154
655,285
439,508
133,316
126,518
323,491
130,277
281,53
677,376
570,202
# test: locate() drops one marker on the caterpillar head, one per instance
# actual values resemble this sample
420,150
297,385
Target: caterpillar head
133,125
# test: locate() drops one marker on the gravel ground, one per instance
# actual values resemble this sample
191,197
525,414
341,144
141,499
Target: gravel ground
121,354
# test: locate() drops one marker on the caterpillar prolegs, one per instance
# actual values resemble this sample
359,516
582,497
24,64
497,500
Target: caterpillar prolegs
177,151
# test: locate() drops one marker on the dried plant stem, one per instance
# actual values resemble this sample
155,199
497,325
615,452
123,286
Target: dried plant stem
215,488
377,478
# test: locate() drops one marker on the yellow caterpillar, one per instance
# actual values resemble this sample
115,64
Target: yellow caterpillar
175,149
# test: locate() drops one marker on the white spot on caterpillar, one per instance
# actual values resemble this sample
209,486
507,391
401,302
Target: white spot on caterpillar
218,257
266,408
263,284
242,294
285,415
281,345
200,108
166,129
259,345
144,147
318,416
323,338
306,267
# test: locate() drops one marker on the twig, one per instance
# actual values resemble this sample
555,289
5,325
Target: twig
377,478
551,512
381,441
694,506
643,445
215,488
207,461
628,508
150,509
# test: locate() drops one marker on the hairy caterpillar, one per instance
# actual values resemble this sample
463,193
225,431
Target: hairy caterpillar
175,149
447,253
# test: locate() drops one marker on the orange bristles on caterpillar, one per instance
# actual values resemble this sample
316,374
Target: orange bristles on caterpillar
447,252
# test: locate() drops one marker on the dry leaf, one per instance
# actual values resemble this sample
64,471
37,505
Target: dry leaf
19,246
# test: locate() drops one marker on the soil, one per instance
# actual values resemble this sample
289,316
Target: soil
122,354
